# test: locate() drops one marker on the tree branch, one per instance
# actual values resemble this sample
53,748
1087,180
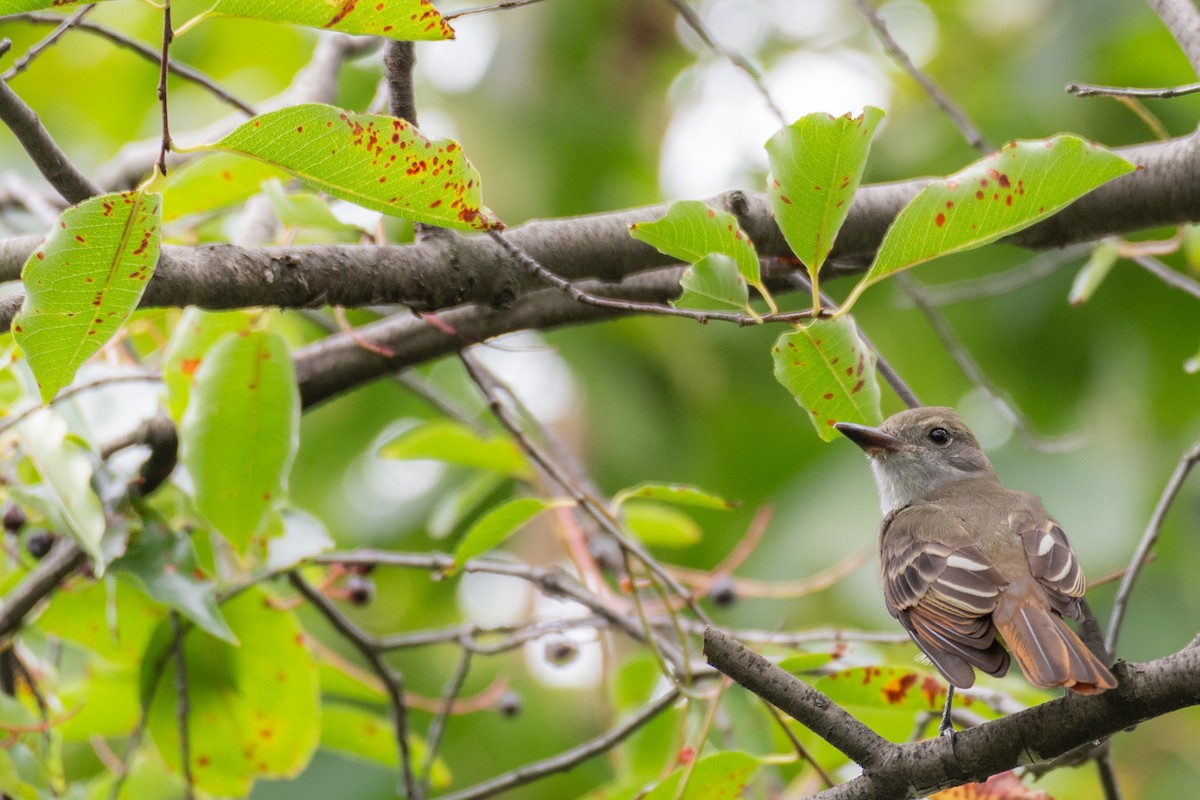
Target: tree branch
1035,735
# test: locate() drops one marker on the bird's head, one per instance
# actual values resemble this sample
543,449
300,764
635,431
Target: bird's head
917,451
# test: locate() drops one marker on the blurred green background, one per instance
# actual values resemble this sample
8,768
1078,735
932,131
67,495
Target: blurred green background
586,106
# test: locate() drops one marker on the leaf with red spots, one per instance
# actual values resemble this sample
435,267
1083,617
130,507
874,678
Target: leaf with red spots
407,20
691,230
84,282
1001,786
21,6
364,735
816,166
719,776
830,372
163,564
213,182
894,688
379,162
194,335
253,708
1092,274
239,433
998,195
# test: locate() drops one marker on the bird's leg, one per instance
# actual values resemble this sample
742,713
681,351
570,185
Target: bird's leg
946,726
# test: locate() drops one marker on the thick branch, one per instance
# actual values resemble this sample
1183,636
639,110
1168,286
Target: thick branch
1035,735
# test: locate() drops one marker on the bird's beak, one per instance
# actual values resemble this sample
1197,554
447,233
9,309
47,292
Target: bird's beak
872,440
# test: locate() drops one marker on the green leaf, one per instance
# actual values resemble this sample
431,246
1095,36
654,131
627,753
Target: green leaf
111,620
303,209
894,688
677,493
500,523
805,662
691,230
240,431
659,525
458,502
455,443
194,335
714,284
21,6
1092,274
381,163
254,708
830,372
1000,194
66,496
163,564
84,282
11,782
816,166
406,20
103,701
653,748
213,182
715,777
367,736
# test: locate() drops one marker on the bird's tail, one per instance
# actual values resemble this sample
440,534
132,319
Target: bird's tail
1049,653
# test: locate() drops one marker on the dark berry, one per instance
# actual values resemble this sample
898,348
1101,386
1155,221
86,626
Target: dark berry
509,704
38,543
560,651
14,519
723,593
359,590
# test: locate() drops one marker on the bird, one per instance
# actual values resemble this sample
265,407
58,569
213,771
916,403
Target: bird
968,565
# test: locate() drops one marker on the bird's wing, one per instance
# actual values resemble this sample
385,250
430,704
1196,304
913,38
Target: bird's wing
943,589
1052,562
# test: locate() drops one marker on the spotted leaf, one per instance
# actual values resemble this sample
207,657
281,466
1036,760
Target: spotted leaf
830,372
379,162
409,20
84,282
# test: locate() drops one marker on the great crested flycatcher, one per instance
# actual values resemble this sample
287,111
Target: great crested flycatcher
964,559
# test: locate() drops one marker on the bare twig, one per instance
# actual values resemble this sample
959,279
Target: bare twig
970,367
65,558
118,38
168,35
1167,275
1149,539
1108,776
942,100
392,681
182,706
1091,90
529,773
65,24
433,736
51,161
78,388
501,6
737,59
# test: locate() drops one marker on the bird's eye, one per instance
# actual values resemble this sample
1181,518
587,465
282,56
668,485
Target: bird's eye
939,436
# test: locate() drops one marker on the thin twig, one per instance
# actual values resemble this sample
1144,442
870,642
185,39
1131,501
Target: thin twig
1168,276
801,750
1091,90
182,706
1108,776
118,38
736,59
22,63
501,6
970,367
392,681
168,35
78,388
1149,539
1002,283
47,156
437,727
487,383
942,100
569,758
587,298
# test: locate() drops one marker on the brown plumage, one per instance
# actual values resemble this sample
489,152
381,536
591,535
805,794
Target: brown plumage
968,564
